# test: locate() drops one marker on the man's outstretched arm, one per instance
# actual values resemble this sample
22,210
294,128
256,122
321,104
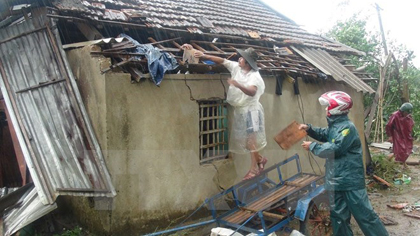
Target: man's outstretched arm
201,55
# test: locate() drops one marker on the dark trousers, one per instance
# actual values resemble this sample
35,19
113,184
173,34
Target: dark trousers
356,203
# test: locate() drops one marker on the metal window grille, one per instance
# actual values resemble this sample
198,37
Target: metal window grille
213,130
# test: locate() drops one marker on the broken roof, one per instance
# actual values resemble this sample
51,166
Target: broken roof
229,18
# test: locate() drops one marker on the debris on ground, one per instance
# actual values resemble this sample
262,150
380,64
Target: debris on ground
405,179
398,205
412,161
387,220
387,172
412,215
382,181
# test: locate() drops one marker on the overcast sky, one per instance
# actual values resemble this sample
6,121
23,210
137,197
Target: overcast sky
400,18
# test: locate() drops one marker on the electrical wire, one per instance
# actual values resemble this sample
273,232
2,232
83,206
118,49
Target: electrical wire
309,154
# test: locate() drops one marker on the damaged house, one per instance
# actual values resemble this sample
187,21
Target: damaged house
101,108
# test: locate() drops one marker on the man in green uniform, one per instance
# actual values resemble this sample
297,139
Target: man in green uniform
344,171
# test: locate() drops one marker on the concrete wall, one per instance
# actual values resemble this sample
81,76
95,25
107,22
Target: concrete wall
150,139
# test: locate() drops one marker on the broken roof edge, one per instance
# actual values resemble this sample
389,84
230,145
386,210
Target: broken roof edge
317,57
278,40
93,42
357,52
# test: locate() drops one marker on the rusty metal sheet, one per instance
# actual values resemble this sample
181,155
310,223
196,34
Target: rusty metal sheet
22,207
330,66
47,112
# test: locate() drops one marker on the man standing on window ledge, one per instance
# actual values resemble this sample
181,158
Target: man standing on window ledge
245,89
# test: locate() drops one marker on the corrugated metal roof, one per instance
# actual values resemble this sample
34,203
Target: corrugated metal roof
330,66
47,112
232,17
23,207
93,42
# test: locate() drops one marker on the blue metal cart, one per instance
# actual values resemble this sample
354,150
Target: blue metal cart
267,203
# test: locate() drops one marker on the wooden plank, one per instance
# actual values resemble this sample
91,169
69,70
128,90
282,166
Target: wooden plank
293,184
412,215
268,214
274,197
162,41
216,48
154,42
279,194
199,48
290,135
381,180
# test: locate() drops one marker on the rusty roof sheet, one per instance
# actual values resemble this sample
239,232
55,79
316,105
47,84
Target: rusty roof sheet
330,66
232,17
53,129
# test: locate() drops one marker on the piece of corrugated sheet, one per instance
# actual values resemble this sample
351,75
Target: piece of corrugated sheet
24,207
384,145
93,42
47,112
330,66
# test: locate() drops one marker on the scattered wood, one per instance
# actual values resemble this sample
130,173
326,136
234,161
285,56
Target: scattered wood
398,205
117,65
382,181
387,220
412,215
267,214
153,41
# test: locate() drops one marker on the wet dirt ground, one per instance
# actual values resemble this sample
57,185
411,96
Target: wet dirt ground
407,226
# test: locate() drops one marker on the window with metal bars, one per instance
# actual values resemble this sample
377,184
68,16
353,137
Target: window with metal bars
213,130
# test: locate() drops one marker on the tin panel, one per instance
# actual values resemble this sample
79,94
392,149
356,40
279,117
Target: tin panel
330,66
51,123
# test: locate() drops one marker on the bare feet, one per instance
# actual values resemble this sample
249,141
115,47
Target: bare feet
251,174
262,163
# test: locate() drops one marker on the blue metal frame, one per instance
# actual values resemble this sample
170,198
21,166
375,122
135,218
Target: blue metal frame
241,191
182,228
303,203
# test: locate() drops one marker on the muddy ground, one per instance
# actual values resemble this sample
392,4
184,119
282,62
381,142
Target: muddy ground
410,194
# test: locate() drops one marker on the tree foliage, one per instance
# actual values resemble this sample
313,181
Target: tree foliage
354,33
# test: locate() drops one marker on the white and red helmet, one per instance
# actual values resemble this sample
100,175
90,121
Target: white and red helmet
338,102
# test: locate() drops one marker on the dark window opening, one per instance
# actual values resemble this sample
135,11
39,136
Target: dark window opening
10,176
213,130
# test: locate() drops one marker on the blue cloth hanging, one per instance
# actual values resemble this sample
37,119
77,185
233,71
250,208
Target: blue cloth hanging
158,62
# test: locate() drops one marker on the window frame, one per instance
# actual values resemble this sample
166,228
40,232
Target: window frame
213,130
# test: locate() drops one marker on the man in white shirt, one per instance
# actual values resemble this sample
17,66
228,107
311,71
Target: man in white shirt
245,89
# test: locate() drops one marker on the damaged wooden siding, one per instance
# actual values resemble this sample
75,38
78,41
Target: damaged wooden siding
53,129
